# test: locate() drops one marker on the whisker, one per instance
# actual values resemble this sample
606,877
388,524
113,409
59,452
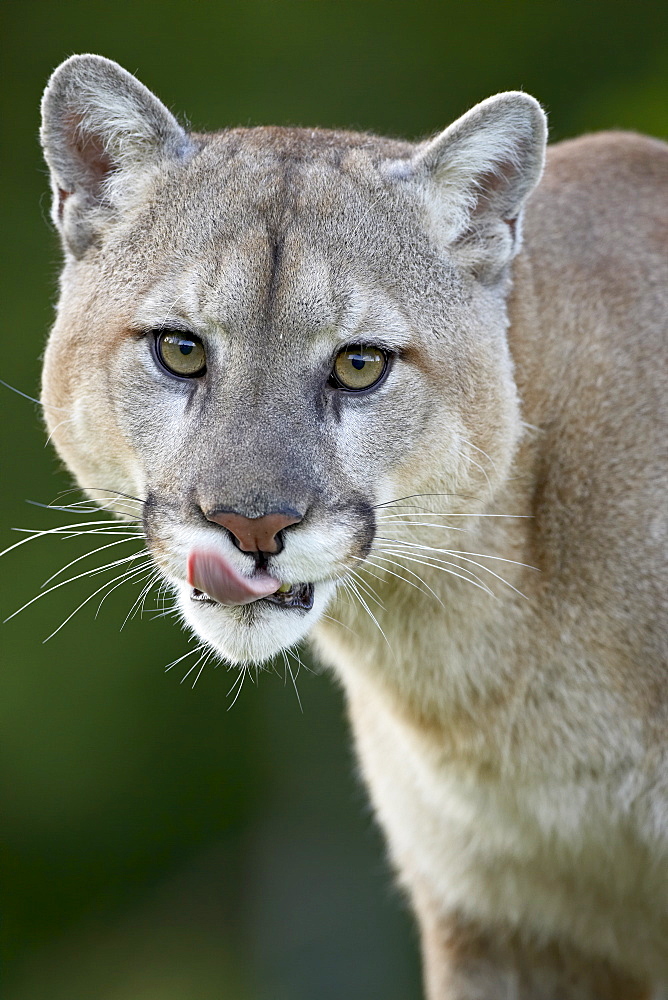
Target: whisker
67,531
423,512
480,452
199,672
399,565
348,583
285,654
445,566
239,683
294,681
86,504
368,590
198,648
114,528
129,575
31,399
415,547
491,572
336,621
481,469
194,667
86,555
472,514
144,567
153,579
402,520
65,420
460,552
90,572
418,496
117,493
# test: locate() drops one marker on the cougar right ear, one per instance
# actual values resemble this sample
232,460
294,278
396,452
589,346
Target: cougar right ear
475,178
101,130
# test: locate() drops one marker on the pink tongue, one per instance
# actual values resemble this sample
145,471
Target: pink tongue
215,576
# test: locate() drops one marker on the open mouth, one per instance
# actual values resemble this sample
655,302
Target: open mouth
215,580
296,595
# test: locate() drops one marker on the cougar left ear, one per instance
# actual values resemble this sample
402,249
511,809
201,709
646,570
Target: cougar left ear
100,125
477,175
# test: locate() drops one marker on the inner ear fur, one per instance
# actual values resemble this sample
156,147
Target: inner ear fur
100,128
477,174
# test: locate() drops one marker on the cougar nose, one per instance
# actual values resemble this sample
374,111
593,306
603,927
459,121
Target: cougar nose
255,534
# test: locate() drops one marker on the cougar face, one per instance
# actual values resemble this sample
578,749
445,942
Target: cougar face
243,345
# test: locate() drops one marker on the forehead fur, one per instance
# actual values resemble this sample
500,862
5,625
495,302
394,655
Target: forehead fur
277,179
302,223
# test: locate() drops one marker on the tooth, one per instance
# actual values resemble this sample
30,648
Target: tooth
284,588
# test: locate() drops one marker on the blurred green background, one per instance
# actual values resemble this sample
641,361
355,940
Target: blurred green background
156,846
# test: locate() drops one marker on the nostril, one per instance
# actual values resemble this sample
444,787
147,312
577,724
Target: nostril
256,534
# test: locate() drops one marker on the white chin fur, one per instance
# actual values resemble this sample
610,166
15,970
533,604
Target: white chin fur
255,632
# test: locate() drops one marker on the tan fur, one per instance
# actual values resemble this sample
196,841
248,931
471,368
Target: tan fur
512,728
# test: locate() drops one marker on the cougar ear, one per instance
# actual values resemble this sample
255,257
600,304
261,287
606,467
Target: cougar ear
477,175
101,131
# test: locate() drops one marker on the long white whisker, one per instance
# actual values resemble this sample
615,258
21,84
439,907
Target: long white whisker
393,562
459,552
348,583
114,527
336,621
86,555
68,531
203,660
445,566
153,579
368,590
294,680
194,667
199,672
412,514
491,572
416,548
479,466
31,399
79,576
436,562
88,506
129,575
480,452
420,524
198,648
455,514
65,420
239,683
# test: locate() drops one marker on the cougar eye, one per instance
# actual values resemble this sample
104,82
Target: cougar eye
359,367
181,354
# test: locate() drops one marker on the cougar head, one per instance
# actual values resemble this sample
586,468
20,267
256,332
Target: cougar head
265,334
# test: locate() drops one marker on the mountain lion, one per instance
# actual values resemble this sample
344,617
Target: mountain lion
404,399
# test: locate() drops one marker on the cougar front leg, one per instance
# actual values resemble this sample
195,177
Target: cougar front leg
465,962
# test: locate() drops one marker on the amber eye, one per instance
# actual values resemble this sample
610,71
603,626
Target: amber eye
359,367
181,354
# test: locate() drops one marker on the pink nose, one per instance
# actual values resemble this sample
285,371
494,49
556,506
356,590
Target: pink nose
255,534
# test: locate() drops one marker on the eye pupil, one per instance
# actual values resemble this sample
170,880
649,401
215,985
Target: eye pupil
358,363
186,348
